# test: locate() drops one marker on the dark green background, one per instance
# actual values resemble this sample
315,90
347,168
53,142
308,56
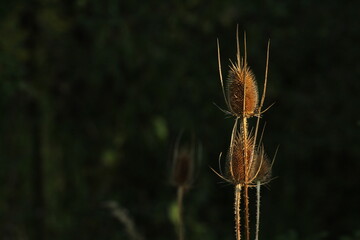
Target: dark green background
93,94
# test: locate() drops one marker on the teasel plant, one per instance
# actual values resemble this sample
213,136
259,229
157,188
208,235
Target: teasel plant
247,165
182,175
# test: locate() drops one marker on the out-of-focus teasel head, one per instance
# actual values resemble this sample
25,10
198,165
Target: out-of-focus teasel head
183,162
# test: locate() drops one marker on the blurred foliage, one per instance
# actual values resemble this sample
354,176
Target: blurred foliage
94,93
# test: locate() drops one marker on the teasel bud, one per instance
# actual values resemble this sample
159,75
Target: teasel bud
185,153
182,167
242,102
182,174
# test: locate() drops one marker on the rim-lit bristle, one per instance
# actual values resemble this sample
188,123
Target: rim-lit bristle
261,167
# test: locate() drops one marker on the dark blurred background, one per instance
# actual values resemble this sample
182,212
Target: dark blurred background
94,93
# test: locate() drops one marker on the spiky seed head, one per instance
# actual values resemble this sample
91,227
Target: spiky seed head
241,76
246,164
238,160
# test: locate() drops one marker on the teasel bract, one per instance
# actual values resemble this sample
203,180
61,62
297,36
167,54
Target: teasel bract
247,164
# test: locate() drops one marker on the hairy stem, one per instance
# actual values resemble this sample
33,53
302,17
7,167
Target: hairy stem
246,201
237,211
257,209
180,196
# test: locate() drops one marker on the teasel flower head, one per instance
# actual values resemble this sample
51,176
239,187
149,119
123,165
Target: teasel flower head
242,91
239,156
182,167
185,153
246,163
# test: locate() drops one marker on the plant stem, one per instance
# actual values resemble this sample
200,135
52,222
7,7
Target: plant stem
180,196
246,199
237,211
257,209
246,170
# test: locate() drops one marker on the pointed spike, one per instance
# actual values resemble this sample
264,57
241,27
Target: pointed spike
245,50
223,110
273,160
220,169
266,109
223,178
220,73
237,45
266,76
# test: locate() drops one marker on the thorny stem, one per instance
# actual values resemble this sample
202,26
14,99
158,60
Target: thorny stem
246,200
246,187
180,196
257,209
245,136
237,211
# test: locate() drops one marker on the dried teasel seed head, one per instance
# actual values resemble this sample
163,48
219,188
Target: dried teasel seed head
182,167
242,102
238,161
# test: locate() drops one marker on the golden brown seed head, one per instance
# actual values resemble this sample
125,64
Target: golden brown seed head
240,76
244,166
238,160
